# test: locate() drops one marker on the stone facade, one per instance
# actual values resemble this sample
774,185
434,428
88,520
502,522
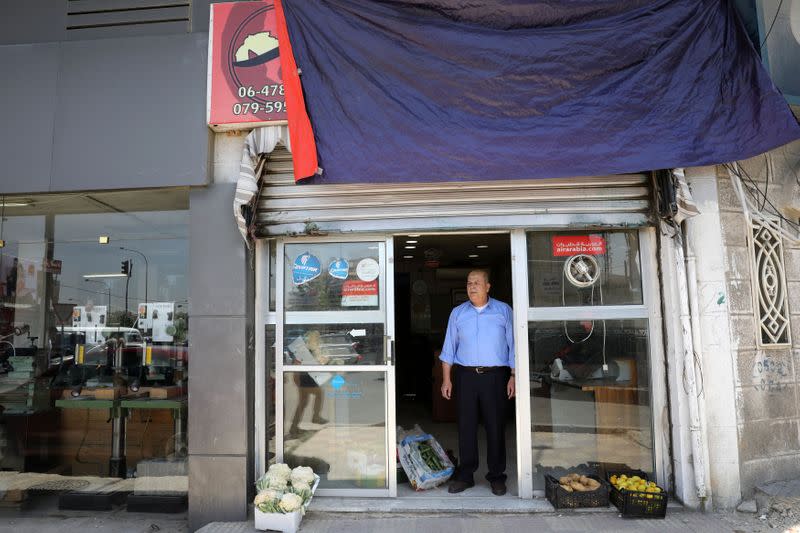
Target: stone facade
767,380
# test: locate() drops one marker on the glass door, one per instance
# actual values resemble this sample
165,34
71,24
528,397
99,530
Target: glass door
335,380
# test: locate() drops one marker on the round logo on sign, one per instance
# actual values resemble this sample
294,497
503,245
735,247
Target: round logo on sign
339,268
252,59
368,269
305,268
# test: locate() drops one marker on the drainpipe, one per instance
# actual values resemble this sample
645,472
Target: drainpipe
686,277
691,352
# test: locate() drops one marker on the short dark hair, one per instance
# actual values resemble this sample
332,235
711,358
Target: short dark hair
480,271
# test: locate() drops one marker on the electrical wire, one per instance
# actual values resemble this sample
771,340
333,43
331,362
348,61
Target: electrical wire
597,281
769,31
762,197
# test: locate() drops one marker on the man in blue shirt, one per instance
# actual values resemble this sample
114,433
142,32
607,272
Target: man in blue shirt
478,357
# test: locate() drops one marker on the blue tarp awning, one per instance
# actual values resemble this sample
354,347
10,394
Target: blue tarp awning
435,90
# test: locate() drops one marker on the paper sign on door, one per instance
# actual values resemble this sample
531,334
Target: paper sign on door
360,293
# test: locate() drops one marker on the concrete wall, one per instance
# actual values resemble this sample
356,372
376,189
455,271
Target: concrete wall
221,384
767,381
119,112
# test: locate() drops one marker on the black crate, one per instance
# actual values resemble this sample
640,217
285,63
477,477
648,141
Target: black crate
636,504
562,499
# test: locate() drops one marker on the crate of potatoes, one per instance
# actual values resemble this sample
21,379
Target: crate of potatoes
574,490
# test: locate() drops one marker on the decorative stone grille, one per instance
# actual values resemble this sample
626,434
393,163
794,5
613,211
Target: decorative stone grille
769,283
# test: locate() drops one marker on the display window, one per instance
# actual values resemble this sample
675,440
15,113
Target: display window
588,336
94,336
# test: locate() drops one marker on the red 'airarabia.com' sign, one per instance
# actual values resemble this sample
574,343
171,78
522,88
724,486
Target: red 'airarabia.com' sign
564,245
245,88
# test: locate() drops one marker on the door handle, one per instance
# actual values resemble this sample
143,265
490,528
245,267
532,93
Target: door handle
389,357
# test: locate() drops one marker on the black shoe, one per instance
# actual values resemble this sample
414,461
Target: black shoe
319,420
457,486
498,488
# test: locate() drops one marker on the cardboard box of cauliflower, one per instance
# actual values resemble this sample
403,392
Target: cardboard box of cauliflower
283,495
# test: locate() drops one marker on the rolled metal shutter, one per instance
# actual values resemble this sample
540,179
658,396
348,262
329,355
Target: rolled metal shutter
286,208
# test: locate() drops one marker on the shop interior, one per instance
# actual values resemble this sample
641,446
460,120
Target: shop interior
430,279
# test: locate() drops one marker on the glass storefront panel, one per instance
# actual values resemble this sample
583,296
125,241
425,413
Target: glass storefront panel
332,277
334,344
335,422
590,396
584,268
94,338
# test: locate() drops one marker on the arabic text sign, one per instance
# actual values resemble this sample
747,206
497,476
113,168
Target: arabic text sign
565,245
359,293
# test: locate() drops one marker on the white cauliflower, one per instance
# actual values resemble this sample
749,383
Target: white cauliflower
302,490
276,478
276,482
267,496
302,475
290,502
280,470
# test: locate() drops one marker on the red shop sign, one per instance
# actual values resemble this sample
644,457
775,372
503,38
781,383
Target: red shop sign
359,293
245,88
564,245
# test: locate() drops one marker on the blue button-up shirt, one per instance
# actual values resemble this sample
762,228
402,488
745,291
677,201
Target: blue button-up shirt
483,338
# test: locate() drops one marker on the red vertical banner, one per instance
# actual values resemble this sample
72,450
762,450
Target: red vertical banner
301,134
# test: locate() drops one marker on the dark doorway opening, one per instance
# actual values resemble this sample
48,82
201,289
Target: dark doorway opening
430,279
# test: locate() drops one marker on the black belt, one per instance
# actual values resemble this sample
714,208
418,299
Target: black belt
484,369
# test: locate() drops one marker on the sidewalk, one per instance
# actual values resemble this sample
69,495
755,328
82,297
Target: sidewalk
678,521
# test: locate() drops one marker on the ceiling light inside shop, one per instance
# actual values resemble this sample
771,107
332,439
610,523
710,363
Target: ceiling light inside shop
412,242
473,256
411,247
482,246
415,235
408,257
103,239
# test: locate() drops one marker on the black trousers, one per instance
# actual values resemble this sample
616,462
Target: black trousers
484,395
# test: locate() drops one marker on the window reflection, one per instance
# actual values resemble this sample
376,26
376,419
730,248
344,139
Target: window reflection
584,268
94,349
336,424
590,395
334,344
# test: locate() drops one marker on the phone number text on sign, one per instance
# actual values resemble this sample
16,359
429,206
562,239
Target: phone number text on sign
253,107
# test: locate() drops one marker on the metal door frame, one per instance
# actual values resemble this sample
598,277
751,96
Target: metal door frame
386,311
649,309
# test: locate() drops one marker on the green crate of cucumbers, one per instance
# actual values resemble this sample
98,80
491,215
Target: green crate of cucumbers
636,496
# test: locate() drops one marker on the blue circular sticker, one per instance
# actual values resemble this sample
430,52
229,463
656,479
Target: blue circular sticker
306,267
339,268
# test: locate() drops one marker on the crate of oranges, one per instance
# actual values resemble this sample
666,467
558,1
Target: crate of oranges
636,496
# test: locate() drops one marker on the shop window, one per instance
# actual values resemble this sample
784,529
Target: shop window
584,268
94,335
590,396
589,353
769,284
